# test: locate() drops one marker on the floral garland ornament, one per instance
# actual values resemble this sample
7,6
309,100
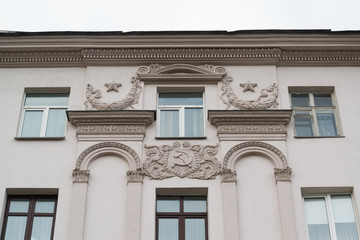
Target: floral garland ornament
93,98
181,160
266,100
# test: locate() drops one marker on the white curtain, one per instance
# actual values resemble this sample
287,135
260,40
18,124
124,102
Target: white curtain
56,123
41,229
344,217
169,123
168,229
32,123
15,228
195,229
327,124
194,122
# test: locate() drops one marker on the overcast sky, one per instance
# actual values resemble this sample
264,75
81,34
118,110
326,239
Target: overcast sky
159,15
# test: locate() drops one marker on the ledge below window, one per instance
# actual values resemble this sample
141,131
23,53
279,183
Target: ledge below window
319,137
39,138
180,138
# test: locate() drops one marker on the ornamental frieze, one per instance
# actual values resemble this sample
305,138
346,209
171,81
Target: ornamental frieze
252,129
110,129
181,160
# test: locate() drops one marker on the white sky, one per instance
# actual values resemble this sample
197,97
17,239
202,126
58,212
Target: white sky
160,15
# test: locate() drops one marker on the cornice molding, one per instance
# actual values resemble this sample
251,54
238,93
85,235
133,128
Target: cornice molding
111,122
250,122
134,56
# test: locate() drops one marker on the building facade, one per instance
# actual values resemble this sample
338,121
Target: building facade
180,135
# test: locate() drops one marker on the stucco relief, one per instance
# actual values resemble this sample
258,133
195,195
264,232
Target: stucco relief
93,98
266,100
283,174
110,129
181,160
252,129
160,69
81,176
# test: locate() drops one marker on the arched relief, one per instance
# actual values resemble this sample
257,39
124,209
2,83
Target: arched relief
108,148
282,171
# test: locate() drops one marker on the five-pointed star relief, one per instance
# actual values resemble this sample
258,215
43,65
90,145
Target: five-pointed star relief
248,86
113,86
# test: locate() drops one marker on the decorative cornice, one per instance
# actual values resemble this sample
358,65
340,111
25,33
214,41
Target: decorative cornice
250,122
111,122
228,175
81,176
283,174
130,55
135,176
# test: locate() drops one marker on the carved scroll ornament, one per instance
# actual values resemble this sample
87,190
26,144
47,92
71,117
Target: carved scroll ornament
93,98
266,100
181,160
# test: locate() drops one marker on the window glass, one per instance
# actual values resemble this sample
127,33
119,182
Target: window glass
323,100
194,204
168,229
46,99
56,122
303,124
180,98
45,206
19,205
195,229
32,123
169,126
326,122
168,204
194,122
42,227
15,228
317,221
300,100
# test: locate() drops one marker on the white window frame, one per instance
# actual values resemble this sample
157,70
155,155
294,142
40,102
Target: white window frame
181,109
312,112
329,211
44,121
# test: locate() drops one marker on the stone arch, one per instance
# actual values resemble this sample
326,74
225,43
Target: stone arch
260,148
108,148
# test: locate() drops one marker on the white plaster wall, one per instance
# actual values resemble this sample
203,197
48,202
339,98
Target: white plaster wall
258,206
106,199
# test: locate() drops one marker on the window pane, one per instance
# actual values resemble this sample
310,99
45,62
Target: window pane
46,99
15,228
344,217
194,229
32,123
168,229
327,123
303,124
44,206
194,122
316,216
181,98
19,206
168,204
169,126
56,123
323,100
194,204
41,229
300,100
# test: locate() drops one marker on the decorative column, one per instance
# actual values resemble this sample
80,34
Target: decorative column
286,203
230,208
78,204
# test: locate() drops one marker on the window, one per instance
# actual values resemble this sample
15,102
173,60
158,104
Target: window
44,115
314,114
29,218
180,218
181,114
330,217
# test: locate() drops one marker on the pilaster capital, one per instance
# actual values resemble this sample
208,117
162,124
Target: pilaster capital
81,176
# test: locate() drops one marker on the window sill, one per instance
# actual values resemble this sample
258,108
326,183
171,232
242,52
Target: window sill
181,138
319,137
39,138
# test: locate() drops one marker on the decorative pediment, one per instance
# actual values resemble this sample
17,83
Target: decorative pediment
186,73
